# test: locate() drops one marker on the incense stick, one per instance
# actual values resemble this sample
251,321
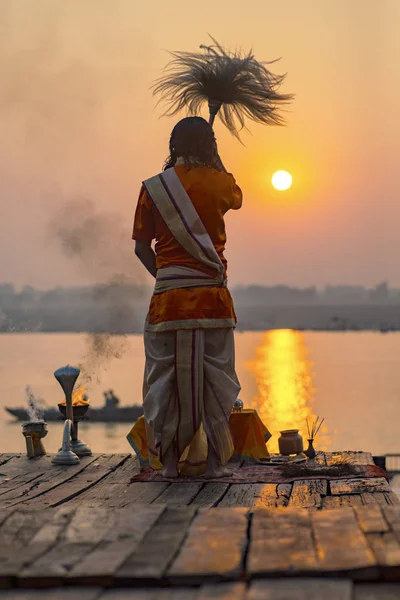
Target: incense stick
319,427
315,427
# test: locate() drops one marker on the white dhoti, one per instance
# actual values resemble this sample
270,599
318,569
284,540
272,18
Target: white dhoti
190,386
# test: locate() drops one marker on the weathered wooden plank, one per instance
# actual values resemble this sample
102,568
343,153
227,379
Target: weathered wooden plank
18,595
154,554
301,589
88,478
86,529
241,494
5,514
257,495
71,594
19,528
284,491
124,473
210,495
340,544
395,484
272,495
386,549
355,458
19,481
392,516
151,594
20,471
214,548
47,481
280,542
130,527
330,502
179,494
105,490
16,464
308,493
382,498
5,457
53,594
371,519
119,495
377,591
20,557
319,459
358,486
222,591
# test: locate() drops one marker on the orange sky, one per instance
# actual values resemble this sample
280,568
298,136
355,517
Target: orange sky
77,121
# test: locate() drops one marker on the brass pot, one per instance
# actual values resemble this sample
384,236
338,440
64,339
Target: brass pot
290,442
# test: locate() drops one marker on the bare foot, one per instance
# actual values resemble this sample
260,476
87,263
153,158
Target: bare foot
217,473
214,469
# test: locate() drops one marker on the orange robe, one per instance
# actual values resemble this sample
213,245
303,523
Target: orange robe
212,193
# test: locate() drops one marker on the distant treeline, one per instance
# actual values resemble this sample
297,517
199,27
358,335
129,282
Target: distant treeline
330,295
121,308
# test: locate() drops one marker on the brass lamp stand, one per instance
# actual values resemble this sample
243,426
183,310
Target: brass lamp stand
72,448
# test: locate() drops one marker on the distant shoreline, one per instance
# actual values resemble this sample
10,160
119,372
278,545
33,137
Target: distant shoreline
238,329
251,317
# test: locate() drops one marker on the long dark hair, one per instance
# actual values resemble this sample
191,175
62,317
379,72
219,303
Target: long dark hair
193,139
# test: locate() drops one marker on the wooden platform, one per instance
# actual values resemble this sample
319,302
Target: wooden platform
195,540
103,480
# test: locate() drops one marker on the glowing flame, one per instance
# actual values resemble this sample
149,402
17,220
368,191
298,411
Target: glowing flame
79,398
285,387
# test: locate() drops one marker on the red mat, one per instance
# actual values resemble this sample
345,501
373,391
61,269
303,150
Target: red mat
268,474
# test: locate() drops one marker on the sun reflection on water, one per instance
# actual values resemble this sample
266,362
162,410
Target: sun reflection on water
284,378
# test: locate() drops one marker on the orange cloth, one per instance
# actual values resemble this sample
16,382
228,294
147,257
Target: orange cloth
249,434
212,193
248,431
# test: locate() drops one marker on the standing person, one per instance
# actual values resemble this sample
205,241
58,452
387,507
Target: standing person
106,400
114,400
190,383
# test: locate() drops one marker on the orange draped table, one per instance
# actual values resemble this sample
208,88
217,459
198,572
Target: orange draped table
248,432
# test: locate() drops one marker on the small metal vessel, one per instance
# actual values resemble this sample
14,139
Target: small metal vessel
290,442
238,405
34,432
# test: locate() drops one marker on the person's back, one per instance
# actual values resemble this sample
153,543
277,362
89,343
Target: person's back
213,192
190,381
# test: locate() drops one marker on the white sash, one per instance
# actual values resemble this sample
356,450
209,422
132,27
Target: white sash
181,218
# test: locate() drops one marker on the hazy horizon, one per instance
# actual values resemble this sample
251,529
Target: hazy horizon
80,131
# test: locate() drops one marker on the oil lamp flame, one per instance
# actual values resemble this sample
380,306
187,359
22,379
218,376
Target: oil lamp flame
79,398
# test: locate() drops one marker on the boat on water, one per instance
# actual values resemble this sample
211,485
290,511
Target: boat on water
123,414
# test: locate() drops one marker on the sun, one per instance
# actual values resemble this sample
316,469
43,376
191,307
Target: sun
281,180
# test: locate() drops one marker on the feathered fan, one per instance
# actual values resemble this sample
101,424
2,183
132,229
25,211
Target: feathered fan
236,83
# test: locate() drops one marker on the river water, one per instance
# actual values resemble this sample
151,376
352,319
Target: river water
351,379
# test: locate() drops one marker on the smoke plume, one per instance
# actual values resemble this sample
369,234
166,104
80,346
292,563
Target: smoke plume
99,244
33,410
